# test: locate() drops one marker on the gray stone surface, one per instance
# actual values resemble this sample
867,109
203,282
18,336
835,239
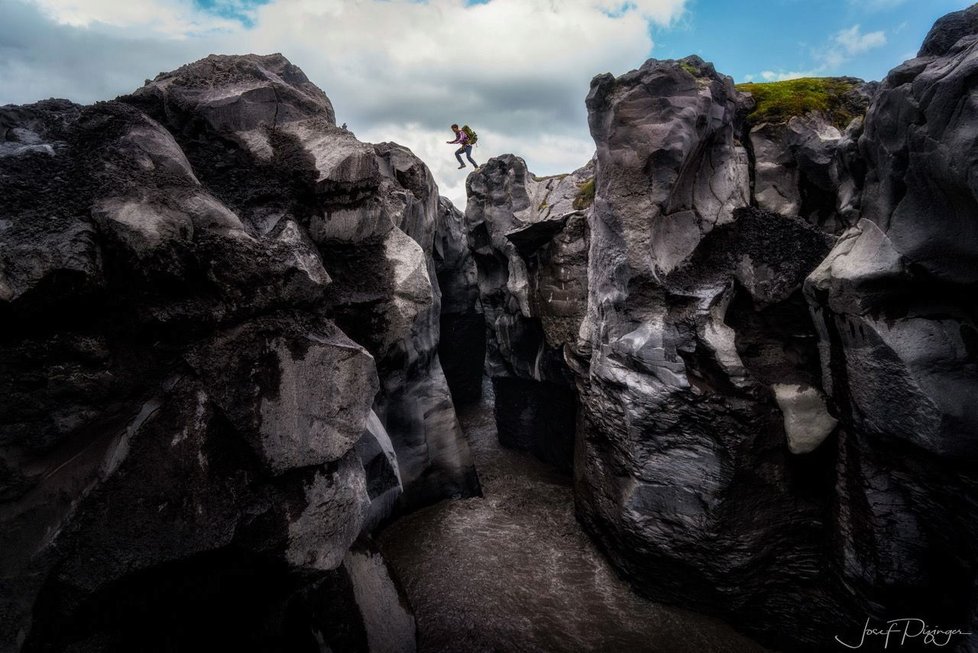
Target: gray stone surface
665,138
683,472
387,618
369,211
948,30
218,360
895,309
529,239
709,345
807,421
808,167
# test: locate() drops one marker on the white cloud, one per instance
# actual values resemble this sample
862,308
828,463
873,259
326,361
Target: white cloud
840,47
516,70
854,42
771,76
848,43
169,18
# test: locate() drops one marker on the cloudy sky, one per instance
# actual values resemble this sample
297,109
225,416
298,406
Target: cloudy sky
403,70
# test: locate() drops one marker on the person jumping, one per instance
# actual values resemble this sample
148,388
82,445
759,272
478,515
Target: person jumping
466,138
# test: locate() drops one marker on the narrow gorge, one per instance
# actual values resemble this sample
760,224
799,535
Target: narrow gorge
264,389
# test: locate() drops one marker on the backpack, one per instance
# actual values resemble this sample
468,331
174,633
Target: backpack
473,137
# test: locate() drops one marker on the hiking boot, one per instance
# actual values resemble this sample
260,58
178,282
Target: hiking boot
461,166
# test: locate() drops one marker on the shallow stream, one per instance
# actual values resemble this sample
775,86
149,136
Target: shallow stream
514,572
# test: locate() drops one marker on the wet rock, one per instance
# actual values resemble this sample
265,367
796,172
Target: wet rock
529,239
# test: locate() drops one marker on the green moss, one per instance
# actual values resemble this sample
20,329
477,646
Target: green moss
585,195
689,68
779,101
546,177
543,205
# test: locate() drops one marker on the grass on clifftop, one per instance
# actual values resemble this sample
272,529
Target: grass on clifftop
779,101
585,195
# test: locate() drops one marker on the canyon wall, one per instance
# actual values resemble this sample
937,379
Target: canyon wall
775,361
218,358
528,236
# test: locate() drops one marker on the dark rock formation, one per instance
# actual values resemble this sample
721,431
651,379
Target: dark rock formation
800,169
218,364
793,469
529,239
898,320
683,181
806,164
371,212
948,30
462,348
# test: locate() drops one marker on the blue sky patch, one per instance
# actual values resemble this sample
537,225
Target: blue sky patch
239,10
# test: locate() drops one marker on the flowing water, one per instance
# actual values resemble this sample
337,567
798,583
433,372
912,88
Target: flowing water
513,571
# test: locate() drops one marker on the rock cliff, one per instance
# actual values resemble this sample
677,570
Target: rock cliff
769,427
894,304
218,355
529,239
701,350
776,362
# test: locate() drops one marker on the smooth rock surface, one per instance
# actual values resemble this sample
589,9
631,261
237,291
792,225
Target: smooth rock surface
682,471
894,304
699,333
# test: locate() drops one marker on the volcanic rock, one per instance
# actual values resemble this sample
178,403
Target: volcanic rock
529,239
218,358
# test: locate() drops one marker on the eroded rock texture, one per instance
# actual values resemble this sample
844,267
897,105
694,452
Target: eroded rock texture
529,239
895,305
218,334
770,429
807,167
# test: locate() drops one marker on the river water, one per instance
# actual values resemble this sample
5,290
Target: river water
514,572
